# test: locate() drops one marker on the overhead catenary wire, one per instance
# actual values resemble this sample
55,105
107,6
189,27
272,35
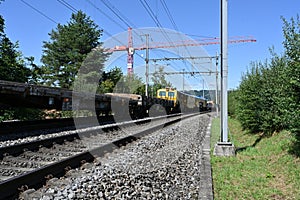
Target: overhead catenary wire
63,2
110,18
119,15
156,21
40,12
122,17
174,24
169,14
106,15
72,8
117,12
165,6
150,12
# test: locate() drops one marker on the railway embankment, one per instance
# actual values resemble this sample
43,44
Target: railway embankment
166,164
263,167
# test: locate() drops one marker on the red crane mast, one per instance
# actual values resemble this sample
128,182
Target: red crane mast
130,52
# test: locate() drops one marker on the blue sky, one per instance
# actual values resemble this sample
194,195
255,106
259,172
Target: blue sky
258,18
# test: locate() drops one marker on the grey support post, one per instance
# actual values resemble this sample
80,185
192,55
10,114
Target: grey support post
224,147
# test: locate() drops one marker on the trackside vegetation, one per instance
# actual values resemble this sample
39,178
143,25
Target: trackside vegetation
262,169
268,98
264,126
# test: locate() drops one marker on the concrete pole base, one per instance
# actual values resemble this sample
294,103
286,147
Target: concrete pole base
224,149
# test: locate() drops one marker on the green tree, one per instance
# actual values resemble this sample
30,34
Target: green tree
291,31
159,80
273,95
249,99
36,71
232,102
12,66
131,84
262,101
109,80
269,94
291,44
68,50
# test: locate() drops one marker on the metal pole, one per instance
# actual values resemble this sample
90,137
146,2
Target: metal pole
203,87
224,148
147,64
217,87
183,79
224,72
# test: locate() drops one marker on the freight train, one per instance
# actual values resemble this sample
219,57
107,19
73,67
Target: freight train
137,106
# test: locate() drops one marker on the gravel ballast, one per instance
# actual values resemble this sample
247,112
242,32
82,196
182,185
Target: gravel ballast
163,165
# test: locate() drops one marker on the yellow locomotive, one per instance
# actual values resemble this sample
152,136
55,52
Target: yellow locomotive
168,94
182,102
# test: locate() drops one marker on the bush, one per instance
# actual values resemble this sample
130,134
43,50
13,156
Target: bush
268,97
262,101
232,102
291,44
249,104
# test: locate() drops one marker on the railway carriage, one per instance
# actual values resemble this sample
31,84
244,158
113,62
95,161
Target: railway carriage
182,102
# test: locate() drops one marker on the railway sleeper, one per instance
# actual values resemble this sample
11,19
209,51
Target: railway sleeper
24,162
49,157
18,169
10,172
69,148
74,144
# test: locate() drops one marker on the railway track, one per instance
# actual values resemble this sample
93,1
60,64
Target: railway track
29,164
19,129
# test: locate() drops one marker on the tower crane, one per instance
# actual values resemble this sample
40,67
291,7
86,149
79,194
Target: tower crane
210,41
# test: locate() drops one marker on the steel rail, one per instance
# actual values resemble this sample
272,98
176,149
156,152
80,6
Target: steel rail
7,128
10,188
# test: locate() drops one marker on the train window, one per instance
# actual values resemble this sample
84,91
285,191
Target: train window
171,94
162,93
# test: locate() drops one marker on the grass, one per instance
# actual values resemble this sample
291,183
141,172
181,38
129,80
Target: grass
262,169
